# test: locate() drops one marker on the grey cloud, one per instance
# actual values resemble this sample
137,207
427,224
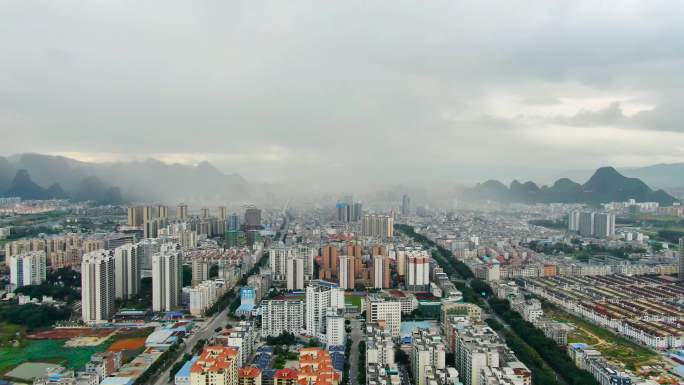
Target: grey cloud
377,87
608,116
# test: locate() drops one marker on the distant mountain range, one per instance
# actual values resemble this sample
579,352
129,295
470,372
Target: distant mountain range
606,185
36,176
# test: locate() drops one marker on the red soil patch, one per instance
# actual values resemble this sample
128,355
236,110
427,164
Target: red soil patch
63,334
127,344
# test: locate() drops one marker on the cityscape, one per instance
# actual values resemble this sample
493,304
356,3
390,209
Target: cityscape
341,193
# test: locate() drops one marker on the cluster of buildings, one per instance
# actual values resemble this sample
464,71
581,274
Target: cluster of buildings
592,224
647,309
220,364
591,360
319,313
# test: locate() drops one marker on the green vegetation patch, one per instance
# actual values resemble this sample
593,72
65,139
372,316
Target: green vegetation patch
611,345
52,351
353,300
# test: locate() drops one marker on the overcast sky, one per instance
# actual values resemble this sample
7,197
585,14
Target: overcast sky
388,90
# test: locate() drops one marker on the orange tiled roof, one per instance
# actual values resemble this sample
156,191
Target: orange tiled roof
214,359
249,372
286,374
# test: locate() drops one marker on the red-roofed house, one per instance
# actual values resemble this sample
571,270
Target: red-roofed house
249,375
217,365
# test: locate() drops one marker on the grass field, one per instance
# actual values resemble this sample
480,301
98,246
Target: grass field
613,347
353,300
47,351
8,333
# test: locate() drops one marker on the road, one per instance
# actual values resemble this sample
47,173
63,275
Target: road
356,336
207,330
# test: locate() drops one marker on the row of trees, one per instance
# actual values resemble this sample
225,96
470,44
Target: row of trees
162,362
545,347
530,344
361,376
33,316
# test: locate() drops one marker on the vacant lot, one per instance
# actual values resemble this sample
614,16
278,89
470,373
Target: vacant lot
612,346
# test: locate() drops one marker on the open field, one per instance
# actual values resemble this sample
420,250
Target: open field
353,300
613,347
127,344
50,351
51,346
29,370
58,334
8,333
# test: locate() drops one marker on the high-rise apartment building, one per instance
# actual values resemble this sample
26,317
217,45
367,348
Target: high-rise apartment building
182,211
162,212
381,272
400,258
222,212
233,222
126,271
586,224
295,273
334,327
166,278
347,272
417,271
97,287
200,271
204,213
379,346
378,226
135,216
280,316
354,250
329,260
427,353
277,258
383,309
405,205
356,211
604,225
343,212
321,296
573,221
252,217
27,269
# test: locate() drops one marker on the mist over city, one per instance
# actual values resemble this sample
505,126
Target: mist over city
341,193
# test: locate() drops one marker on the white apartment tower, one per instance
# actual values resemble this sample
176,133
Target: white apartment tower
97,287
166,279
573,221
295,273
334,328
387,310
418,271
321,296
280,316
27,269
346,273
586,224
604,225
126,271
379,271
